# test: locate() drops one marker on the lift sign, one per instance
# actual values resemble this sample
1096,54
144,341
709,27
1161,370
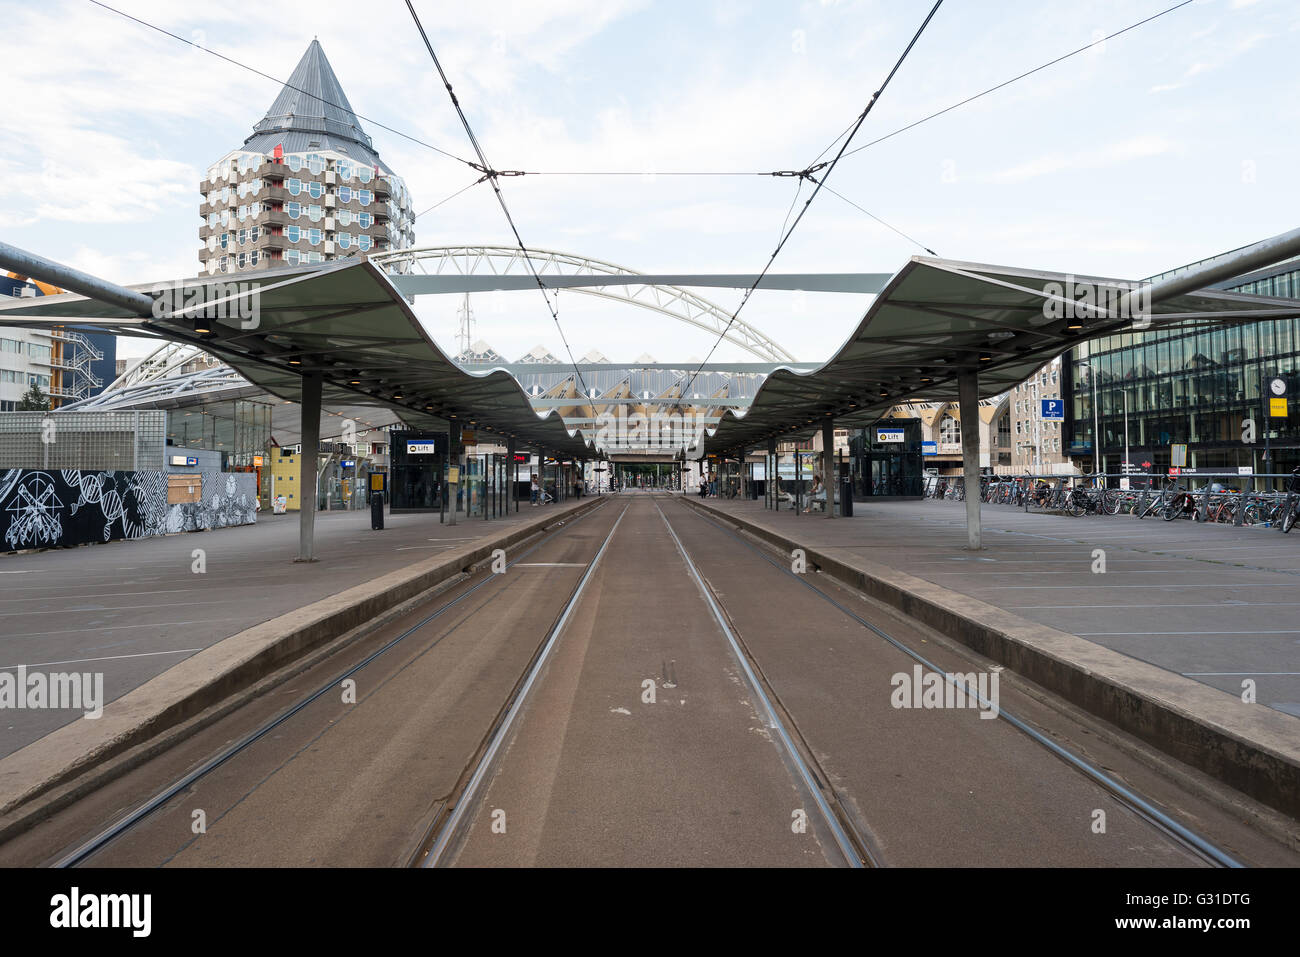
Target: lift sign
889,435
1053,410
421,448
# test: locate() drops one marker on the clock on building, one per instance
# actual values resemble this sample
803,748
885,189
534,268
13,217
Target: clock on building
1277,386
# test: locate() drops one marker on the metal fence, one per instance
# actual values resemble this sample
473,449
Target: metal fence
1258,498
91,441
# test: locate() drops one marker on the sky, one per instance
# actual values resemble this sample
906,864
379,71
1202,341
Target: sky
1168,144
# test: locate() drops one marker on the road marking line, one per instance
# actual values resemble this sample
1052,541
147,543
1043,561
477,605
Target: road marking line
153,624
551,565
1121,634
77,661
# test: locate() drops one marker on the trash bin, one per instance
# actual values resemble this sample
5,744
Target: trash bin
377,510
846,498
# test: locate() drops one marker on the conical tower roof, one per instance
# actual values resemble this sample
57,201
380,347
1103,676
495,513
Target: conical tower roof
313,113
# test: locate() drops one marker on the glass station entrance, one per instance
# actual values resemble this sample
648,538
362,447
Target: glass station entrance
886,459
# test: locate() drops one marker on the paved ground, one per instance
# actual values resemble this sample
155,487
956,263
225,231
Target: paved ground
595,772
133,609
1213,602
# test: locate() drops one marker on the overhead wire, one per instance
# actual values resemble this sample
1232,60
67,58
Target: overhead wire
1014,79
492,175
895,229
830,168
283,83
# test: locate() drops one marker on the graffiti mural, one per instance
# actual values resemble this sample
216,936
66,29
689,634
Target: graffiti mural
228,498
47,508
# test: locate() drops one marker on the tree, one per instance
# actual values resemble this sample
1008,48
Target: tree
34,400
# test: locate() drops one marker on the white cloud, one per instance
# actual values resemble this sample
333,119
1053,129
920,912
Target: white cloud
1116,154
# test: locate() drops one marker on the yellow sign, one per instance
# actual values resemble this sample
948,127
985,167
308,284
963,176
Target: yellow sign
1277,408
469,437
453,475
257,461
376,481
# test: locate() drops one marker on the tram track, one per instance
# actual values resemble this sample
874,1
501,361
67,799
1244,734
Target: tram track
137,816
1192,842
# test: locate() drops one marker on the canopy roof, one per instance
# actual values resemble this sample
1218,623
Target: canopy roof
937,319
344,320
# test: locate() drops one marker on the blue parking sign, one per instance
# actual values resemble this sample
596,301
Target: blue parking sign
1053,409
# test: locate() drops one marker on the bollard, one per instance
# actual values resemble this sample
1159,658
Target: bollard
377,511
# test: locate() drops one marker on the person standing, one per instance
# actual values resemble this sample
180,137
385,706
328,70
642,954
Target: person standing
534,489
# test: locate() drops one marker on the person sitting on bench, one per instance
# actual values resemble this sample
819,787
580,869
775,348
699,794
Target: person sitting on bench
816,494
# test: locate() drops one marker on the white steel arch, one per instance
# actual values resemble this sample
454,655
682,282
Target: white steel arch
671,301
162,363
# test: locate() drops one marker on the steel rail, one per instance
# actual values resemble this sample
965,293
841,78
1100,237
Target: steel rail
1143,808
854,852
134,817
450,831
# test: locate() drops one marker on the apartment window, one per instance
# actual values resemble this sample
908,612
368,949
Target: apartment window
365,220
345,194
293,209
314,236
315,163
344,169
364,196
344,217
241,261
314,213
363,242
225,240
252,258
316,190
344,240
364,174
291,256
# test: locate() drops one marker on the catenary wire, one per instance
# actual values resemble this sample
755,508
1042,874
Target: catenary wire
252,69
1005,83
881,221
492,175
830,168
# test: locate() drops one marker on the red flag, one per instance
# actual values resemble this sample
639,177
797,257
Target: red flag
278,152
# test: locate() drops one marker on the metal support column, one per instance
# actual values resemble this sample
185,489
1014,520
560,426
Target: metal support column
969,404
828,464
453,462
770,480
310,431
512,477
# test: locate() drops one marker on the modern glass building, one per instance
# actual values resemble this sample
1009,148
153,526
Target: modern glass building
1196,386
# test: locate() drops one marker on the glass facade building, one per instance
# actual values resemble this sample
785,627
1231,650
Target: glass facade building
239,429
1197,386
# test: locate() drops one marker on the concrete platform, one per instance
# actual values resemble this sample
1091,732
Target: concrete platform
132,610
913,557
1214,603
